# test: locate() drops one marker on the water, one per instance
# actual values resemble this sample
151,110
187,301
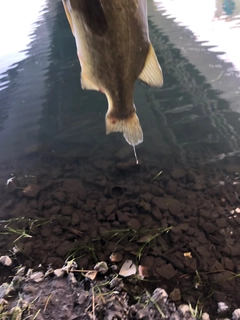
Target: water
50,128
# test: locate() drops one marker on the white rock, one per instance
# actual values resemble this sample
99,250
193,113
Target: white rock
6,261
59,272
236,314
128,269
205,316
159,294
183,309
222,307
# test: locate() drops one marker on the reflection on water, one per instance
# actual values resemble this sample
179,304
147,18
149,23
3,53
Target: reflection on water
52,130
215,23
44,106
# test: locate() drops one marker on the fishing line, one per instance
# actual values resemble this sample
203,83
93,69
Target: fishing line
134,151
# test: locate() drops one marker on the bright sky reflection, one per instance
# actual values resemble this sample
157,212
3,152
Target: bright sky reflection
208,21
17,23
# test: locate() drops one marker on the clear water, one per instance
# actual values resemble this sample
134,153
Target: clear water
195,116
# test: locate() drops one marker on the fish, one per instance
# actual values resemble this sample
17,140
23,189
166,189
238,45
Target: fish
114,50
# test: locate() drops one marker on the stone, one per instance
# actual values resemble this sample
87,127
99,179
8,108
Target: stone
32,190
175,295
109,209
147,197
67,210
46,231
228,263
75,218
48,204
166,271
59,196
171,187
65,248
178,173
157,214
54,210
156,191
123,217
167,203
134,224
57,230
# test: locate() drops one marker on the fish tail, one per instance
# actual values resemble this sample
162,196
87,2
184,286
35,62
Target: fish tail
130,126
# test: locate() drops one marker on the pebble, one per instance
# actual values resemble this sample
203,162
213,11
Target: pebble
166,271
6,260
60,196
175,295
236,314
32,190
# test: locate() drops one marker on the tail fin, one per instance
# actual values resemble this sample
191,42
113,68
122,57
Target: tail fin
131,128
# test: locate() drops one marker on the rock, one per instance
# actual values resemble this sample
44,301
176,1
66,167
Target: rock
57,230
222,306
58,272
72,185
143,271
123,217
64,248
166,271
171,187
157,214
167,203
148,261
178,173
128,269
147,197
75,218
101,267
116,257
109,209
46,231
32,190
59,196
6,260
205,316
37,276
28,248
89,206
159,295
228,263
156,191
67,210
134,224
175,295
236,314
48,204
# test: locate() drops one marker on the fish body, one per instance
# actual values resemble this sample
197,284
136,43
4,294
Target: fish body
114,50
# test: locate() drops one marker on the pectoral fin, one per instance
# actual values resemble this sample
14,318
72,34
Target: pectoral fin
87,84
152,73
92,13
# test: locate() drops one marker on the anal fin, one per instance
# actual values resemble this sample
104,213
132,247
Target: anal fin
152,72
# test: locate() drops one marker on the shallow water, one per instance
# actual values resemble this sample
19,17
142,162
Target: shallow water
51,130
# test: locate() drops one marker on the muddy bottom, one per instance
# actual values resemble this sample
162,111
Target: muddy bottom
178,225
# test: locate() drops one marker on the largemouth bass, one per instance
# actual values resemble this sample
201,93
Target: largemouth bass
114,50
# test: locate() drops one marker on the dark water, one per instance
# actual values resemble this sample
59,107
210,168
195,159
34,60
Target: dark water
50,128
